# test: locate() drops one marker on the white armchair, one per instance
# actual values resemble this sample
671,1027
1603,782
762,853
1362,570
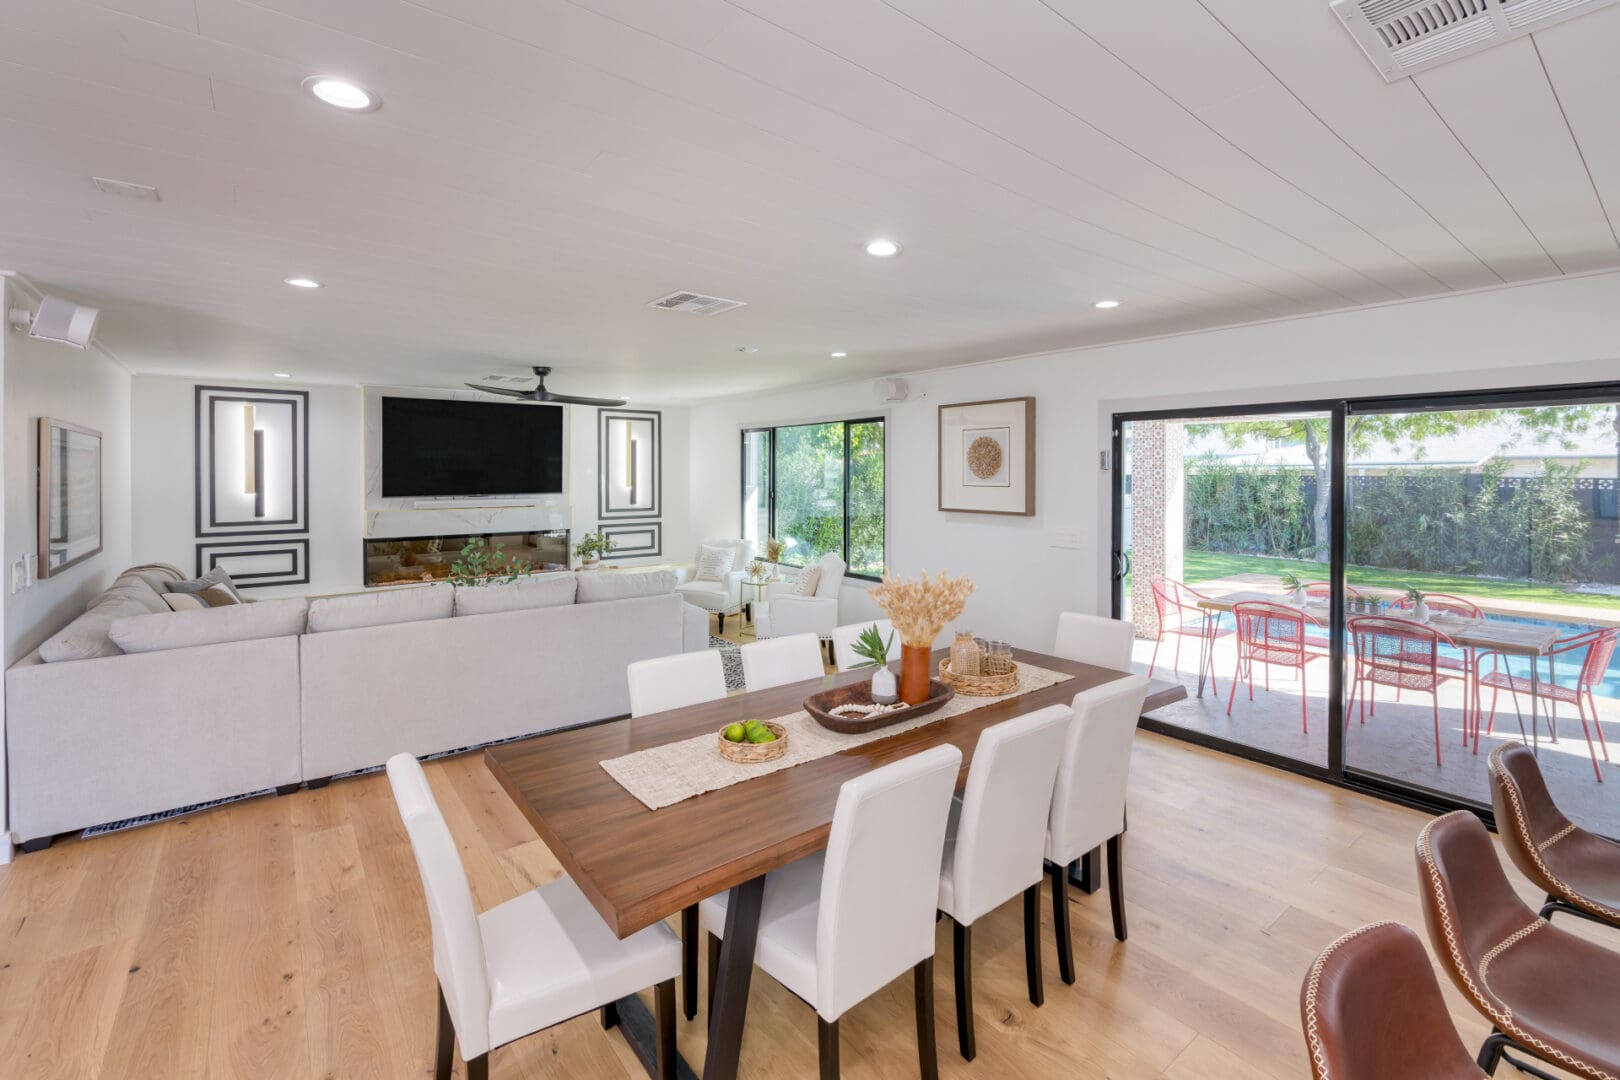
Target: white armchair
789,613
720,597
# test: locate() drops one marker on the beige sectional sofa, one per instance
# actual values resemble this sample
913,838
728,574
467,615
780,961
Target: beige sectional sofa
208,704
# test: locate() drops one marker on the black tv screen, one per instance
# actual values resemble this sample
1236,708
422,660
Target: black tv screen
433,447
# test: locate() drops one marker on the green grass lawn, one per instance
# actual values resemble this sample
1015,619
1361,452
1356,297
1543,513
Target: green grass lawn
1207,565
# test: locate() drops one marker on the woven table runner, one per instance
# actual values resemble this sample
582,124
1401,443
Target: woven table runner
661,776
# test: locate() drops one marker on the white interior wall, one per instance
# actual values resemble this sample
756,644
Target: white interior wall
1546,333
164,448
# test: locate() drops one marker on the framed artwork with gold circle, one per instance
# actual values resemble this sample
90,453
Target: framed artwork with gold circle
987,457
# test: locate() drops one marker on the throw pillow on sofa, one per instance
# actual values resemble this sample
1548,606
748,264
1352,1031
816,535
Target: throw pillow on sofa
212,597
210,626
539,591
806,581
216,577
399,604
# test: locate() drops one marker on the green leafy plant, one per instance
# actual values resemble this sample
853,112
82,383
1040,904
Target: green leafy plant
872,647
485,564
1290,581
1414,594
594,545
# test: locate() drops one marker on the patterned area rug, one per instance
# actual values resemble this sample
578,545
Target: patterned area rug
730,659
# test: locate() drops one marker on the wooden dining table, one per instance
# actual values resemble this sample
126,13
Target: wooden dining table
1527,640
639,866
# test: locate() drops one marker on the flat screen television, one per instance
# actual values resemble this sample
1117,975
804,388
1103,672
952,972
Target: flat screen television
437,448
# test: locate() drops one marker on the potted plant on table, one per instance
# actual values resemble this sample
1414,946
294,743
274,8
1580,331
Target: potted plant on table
919,609
592,547
1295,587
874,652
1420,605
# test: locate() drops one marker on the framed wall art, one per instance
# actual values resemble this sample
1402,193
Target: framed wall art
987,457
69,495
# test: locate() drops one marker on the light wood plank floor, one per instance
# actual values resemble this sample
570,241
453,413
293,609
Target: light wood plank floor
287,937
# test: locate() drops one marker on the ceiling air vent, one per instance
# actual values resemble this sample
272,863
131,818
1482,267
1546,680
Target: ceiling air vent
1404,37
695,303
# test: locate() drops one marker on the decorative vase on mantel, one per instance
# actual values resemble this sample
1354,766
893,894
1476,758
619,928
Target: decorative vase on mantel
916,672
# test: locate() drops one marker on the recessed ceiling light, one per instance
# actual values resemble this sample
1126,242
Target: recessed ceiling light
342,93
302,282
1104,305
883,248
839,355
281,375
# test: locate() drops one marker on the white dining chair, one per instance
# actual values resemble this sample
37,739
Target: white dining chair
782,660
1088,800
671,682
844,638
995,843
528,964
1092,639
838,926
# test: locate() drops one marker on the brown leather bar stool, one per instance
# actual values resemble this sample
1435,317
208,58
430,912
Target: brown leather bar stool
1579,871
1547,992
1372,1010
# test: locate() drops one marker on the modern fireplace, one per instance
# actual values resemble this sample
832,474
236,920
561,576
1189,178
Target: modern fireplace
403,560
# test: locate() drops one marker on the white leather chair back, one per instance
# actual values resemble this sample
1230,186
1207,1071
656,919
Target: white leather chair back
1088,801
880,882
782,660
844,638
458,945
1092,639
833,570
670,682
1001,833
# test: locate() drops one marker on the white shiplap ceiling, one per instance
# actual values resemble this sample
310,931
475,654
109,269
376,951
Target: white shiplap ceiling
540,170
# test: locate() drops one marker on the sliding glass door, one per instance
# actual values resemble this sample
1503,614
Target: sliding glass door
1440,574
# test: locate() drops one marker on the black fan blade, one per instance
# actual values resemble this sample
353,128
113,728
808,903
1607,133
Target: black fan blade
569,399
526,395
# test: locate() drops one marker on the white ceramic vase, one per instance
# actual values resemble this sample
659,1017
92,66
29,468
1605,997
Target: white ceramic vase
1421,611
884,688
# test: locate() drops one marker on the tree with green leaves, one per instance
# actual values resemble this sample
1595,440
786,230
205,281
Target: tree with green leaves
1409,430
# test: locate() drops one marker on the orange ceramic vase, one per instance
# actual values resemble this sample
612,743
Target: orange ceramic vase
916,667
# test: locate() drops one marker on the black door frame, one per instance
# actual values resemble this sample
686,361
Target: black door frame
1336,772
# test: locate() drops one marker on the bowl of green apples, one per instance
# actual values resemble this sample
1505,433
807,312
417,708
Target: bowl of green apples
749,742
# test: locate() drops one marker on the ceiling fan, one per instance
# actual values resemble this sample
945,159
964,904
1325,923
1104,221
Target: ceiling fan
540,393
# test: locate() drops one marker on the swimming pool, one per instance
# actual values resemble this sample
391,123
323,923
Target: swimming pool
1568,663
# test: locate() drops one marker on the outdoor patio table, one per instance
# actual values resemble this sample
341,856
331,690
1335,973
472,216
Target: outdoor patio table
1482,635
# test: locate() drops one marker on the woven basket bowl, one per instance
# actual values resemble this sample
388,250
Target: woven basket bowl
747,753
1000,682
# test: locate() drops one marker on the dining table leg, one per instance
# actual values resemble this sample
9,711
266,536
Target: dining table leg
731,988
1535,699
1205,646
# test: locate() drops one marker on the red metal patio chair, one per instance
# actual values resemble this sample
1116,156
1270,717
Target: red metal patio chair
1402,654
1322,590
1272,633
1176,605
1599,647
1459,607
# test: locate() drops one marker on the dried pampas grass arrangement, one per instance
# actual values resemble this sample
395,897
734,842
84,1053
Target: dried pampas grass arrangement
920,607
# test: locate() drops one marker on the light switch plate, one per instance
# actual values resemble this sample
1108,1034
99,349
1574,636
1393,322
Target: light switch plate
19,576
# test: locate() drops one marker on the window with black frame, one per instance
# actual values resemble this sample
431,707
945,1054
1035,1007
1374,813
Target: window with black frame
818,488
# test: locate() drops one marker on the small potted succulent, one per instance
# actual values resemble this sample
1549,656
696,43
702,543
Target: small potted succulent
874,652
592,547
1295,587
1419,605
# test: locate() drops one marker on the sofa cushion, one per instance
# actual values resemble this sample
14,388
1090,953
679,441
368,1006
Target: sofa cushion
85,638
714,563
805,581
708,595
210,626
215,577
155,574
211,597
538,591
381,608
599,585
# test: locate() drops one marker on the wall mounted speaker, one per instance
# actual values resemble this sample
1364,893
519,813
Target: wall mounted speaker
888,390
63,322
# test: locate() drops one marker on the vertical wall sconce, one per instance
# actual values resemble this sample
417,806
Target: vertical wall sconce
253,459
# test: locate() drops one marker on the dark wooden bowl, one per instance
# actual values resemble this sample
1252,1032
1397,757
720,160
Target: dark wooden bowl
821,705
